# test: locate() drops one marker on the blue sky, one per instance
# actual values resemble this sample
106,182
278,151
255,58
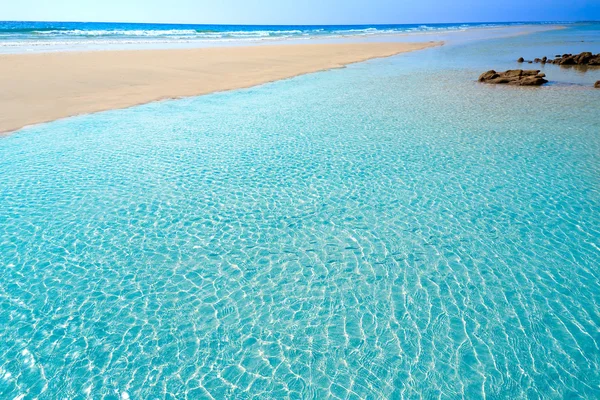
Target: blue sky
299,11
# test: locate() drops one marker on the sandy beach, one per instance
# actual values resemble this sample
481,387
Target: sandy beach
47,86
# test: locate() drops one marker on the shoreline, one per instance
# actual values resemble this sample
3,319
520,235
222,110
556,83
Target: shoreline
325,39
44,87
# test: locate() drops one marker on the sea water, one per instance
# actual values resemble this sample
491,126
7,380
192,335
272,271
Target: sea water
25,36
393,229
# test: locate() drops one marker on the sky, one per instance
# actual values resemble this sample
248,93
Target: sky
299,12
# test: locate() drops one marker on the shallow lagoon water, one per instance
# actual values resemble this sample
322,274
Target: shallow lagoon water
389,230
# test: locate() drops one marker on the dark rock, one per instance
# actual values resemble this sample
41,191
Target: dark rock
569,60
583,58
544,59
520,60
486,76
595,60
597,85
537,60
532,81
517,77
530,62
511,73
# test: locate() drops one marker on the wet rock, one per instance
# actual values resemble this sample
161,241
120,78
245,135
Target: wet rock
595,61
520,60
585,58
597,85
516,77
569,60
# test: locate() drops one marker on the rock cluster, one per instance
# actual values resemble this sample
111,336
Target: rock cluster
517,77
585,58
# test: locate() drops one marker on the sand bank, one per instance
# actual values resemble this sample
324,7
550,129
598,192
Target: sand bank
47,86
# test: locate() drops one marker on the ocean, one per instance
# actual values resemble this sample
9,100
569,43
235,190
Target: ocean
389,230
23,36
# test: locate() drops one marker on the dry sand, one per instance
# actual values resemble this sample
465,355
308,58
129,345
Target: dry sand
43,87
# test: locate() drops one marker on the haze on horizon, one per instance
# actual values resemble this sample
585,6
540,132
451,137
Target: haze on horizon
289,12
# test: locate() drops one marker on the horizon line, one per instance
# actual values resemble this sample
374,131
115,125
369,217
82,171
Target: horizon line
349,24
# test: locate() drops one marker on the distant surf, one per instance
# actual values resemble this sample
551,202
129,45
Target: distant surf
17,36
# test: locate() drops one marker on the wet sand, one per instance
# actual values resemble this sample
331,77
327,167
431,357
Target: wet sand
48,86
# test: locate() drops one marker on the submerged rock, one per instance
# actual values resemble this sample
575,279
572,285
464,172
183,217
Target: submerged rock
516,77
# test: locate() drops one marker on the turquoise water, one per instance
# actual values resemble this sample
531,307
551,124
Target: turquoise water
32,36
389,230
